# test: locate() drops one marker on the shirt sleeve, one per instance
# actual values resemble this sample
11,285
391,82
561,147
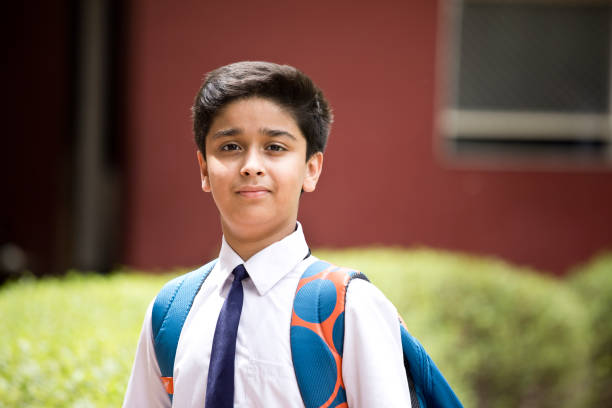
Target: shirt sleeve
373,364
145,388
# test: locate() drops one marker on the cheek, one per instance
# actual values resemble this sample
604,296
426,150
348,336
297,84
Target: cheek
294,181
293,170
220,187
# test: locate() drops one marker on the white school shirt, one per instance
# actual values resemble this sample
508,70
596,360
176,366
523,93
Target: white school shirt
373,365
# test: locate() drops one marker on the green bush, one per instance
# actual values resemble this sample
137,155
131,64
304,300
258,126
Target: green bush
502,336
70,342
593,282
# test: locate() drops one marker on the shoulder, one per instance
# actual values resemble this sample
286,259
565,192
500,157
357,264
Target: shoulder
363,297
184,281
350,285
178,294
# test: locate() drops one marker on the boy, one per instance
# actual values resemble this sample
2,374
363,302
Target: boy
260,130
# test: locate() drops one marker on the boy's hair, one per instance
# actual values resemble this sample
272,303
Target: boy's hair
283,84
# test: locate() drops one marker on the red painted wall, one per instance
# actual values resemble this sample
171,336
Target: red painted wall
382,182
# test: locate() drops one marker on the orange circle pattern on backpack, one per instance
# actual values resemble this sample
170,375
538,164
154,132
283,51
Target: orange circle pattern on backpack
317,334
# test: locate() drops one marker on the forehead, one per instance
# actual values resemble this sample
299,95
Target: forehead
254,113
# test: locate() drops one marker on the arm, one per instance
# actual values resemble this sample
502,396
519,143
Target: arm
145,388
373,364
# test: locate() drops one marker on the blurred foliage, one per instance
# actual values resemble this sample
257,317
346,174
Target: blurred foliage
593,281
503,336
70,342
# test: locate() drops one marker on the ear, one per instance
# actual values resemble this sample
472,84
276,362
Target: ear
203,172
314,165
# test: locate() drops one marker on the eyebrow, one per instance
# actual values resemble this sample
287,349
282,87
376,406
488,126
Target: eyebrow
276,132
226,132
266,131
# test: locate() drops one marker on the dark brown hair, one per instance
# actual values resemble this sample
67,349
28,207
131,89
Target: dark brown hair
283,84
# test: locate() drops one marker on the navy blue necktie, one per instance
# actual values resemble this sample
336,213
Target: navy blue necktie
220,384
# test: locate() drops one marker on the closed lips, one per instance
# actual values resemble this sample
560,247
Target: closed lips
253,191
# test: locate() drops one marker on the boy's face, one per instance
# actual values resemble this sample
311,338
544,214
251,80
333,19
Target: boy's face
255,167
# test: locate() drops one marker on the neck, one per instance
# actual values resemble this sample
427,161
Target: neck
249,242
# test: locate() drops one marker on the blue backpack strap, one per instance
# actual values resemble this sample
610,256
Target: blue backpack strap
317,338
317,334
431,388
170,310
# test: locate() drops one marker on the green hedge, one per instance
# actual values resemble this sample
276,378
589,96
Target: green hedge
70,342
503,336
593,282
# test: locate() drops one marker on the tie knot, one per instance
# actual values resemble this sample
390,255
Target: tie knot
240,273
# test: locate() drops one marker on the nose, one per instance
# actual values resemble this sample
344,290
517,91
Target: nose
253,165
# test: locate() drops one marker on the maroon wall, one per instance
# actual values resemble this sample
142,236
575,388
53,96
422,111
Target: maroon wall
382,181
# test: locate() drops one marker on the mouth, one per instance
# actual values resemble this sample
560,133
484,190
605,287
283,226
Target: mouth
252,191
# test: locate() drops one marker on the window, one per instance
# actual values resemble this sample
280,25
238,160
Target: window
528,80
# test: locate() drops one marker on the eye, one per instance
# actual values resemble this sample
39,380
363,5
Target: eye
276,148
229,146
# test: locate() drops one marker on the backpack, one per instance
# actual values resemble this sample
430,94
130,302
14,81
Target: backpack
317,337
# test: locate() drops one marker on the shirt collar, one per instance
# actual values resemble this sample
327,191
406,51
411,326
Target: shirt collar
269,265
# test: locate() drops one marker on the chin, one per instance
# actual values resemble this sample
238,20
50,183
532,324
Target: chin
254,219
258,223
